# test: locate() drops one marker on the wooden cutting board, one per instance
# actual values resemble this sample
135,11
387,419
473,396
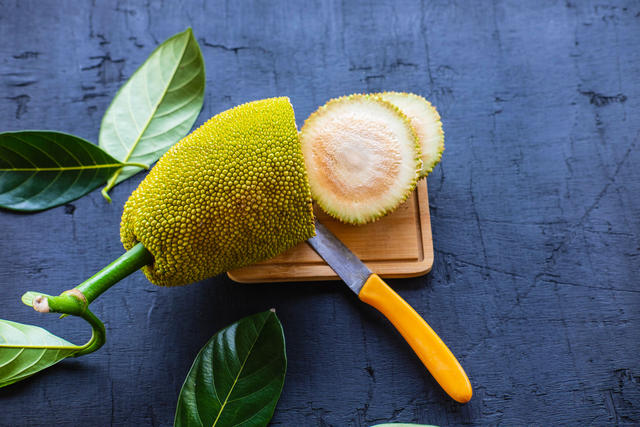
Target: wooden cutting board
398,245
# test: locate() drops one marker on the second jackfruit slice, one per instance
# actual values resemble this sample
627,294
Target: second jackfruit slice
425,121
232,193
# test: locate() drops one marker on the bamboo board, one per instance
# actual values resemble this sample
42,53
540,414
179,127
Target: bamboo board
396,246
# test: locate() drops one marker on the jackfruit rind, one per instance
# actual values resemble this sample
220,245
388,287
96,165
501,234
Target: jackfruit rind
426,122
232,193
362,157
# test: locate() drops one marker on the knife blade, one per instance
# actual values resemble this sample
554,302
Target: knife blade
371,289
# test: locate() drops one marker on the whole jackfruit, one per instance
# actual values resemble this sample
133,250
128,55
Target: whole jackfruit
232,193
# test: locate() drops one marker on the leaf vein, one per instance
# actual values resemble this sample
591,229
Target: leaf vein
46,188
186,82
115,126
19,154
64,148
22,183
155,109
133,118
65,168
39,149
239,372
181,106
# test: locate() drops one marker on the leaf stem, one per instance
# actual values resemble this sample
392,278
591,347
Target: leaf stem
137,165
98,335
112,180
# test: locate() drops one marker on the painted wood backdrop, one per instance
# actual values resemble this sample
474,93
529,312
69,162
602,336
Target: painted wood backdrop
535,209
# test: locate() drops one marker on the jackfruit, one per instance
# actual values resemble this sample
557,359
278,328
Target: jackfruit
425,121
362,157
232,193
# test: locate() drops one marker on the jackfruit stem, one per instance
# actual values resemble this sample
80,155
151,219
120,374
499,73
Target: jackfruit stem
131,261
76,301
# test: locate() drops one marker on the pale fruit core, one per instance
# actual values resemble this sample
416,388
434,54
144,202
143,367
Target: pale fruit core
359,155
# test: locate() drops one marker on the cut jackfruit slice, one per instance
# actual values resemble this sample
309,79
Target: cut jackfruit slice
426,122
232,193
362,157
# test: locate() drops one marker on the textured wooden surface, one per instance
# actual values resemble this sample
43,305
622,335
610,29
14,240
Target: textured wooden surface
535,211
396,246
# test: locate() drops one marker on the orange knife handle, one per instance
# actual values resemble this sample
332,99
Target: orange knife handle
433,352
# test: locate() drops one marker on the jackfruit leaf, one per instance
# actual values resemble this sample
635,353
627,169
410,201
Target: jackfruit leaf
28,298
156,107
237,377
27,349
43,169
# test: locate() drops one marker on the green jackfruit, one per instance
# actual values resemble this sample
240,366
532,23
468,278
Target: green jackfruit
232,193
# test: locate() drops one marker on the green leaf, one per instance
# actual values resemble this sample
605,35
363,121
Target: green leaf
157,106
26,349
237,377
43,169
28,298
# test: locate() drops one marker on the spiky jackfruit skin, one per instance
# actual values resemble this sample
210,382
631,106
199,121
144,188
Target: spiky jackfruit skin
232,193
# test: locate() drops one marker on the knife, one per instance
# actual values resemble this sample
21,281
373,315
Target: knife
370,288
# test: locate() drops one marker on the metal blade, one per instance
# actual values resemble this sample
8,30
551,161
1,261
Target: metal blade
340,258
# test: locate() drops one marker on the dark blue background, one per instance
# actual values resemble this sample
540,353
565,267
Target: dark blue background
535,209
